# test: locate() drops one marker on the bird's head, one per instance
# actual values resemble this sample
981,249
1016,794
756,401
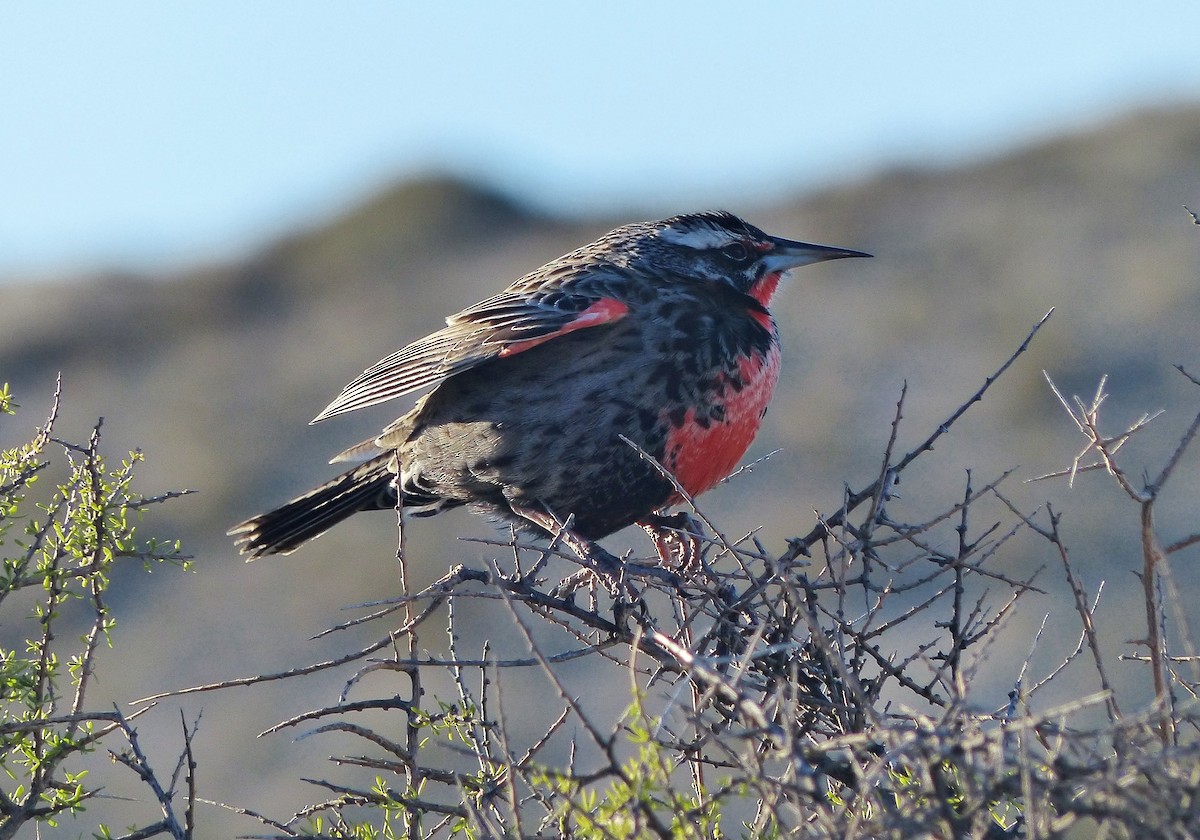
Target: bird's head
719,247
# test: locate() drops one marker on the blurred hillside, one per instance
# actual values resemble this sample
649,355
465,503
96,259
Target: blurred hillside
214,372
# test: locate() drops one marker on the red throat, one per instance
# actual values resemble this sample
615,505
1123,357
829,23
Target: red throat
764,289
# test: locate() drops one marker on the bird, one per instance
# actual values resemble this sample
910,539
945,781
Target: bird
563,402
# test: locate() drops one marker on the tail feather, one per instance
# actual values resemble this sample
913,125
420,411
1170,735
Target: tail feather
369,486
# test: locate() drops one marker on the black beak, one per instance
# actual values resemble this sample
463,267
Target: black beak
788,254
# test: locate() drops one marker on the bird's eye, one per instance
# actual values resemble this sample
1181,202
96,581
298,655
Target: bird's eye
736,252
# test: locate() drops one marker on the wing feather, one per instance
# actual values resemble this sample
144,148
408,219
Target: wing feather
515,320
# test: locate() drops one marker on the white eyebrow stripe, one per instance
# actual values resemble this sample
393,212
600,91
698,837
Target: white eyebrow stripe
698,238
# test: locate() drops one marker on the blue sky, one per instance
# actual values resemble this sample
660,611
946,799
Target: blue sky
151,134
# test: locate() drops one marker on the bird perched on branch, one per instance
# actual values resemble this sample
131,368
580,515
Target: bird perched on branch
657,334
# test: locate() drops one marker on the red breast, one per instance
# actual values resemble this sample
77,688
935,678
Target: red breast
701,454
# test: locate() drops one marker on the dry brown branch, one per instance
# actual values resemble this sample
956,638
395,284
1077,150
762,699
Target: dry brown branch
1087,420
801,545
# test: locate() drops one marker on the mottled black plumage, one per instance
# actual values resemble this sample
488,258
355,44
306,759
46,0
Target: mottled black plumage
657,332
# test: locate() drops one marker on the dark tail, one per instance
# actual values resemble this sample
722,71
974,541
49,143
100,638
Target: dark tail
369,486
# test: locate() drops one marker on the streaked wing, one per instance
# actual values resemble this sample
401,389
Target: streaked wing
523,316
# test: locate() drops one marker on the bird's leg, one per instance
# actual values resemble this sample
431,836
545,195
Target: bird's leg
676,538
589,552
594,557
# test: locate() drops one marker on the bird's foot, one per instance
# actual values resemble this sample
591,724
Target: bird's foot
677,539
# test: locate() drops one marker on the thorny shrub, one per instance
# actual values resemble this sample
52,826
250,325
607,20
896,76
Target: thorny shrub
819,692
